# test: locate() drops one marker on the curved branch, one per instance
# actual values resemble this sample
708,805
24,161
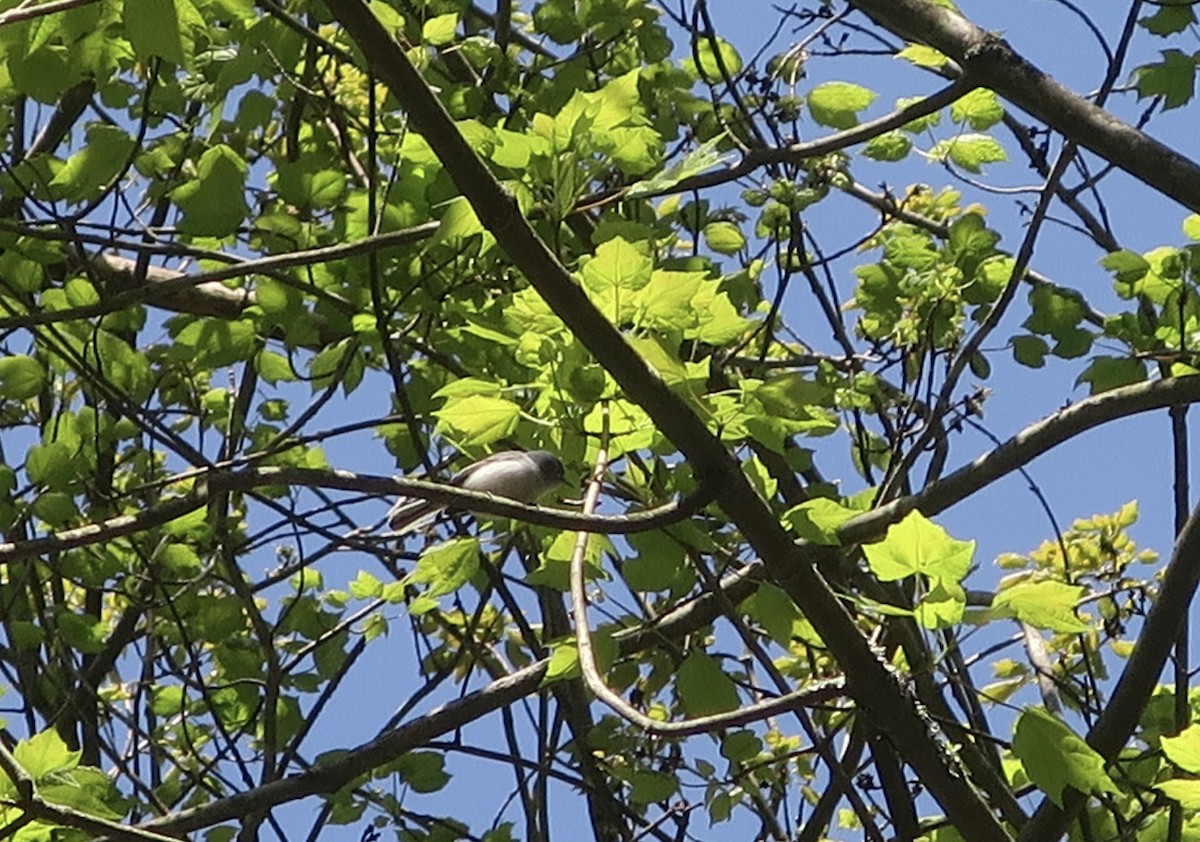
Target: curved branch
1025,446
450,495
813,693
219,481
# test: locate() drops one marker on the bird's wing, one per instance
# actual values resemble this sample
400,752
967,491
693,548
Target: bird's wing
409,515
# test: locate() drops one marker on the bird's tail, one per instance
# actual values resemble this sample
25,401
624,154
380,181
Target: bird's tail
412,515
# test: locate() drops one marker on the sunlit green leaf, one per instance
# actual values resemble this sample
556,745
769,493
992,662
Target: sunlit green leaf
1046,605
45,753
917,545
1184,749
21,377
1055,758
980,109
446,567
440,30
818,520
838,104
970,151
478,419
922,56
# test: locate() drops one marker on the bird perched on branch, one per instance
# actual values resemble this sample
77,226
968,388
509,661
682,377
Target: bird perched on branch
518,475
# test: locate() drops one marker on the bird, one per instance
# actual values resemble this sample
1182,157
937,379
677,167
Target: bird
518,475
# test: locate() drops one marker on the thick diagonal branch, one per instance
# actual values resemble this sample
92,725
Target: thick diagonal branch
874,687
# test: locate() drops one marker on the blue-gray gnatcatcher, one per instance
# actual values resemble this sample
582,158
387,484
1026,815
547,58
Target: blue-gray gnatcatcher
519,475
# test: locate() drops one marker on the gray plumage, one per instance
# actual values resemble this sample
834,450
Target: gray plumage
518,475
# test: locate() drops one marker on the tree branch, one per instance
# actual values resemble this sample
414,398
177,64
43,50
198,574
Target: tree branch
989,60
875,687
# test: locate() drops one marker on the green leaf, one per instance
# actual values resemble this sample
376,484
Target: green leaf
1054,757
440,30
45,753
87,790
168,701
712,60
923,56
81,293
703,158
890,146
837,104
123,365
971,242
460,222
667,303
25,636
446,567
1045,605
774,610
1186,792
1191,226
44,73
942,607
100,159
564,662
703,686
478,419
56,508
1169,18
918,125
213,202
8,483
52,465
818,520
1030,350
741,746
969,151
980,109
787,395
1130,267
282,301
719,322
21,377
423,771
153,28
659,564
365,586
648,787
1054,311
306,579
1173,79
724,237
82,633
1184,749
917,545
559,20
178,560
306,184
617,264
1106,373
213,343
